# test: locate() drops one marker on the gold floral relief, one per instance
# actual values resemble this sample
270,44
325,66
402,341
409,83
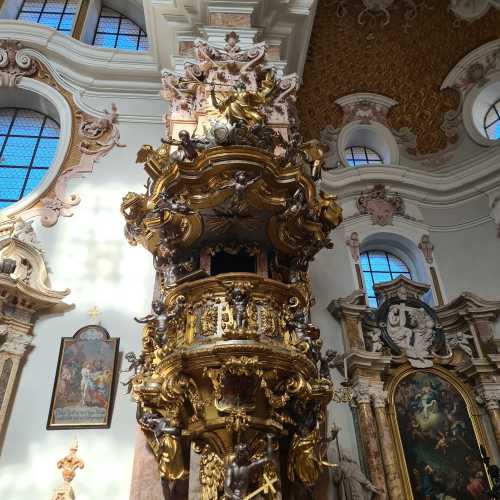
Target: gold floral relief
346,57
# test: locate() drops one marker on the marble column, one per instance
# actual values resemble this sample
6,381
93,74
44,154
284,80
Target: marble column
146,482
368,435
491,401
11,352
391,467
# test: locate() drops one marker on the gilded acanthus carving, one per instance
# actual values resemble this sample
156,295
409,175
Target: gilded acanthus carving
14,63
380,204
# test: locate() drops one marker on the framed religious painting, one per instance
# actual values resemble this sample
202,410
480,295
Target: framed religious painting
438,433
85,382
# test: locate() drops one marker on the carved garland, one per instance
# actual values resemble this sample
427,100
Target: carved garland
92,137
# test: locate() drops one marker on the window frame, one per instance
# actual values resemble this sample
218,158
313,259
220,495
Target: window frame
354,163
392,252
496,108
46,99
30,167
62,14
142,33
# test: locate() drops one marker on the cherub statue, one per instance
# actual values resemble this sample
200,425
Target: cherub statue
297,205
175,204
238,472
240,183
188,147
158,316
95,128
136,364
238,299
232,47
326,363
375,337
354,484
299,323
461,340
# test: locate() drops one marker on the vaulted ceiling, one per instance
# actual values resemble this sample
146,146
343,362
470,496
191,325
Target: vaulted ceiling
404,59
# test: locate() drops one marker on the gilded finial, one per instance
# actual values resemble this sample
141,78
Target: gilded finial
68,466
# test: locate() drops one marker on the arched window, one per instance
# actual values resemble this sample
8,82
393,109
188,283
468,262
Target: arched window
361,155
57,14
28,141
115,31
492,122
379,266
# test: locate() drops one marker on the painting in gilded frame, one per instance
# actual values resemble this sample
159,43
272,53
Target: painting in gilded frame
439,439
85,381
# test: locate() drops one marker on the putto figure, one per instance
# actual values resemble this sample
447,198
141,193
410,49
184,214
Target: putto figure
188,147
238,471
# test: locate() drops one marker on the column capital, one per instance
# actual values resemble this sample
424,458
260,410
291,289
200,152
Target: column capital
378,396
488,396
361,391
15,342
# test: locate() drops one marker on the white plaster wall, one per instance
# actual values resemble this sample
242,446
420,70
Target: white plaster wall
89,254
469,260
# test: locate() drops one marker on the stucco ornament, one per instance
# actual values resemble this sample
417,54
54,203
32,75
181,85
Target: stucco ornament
99,136
426,248
381,9
469,10
461,340
14,64
23,231
354,244
409,327
15,342
381,204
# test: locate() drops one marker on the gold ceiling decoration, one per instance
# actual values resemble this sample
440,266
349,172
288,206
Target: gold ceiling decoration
347,57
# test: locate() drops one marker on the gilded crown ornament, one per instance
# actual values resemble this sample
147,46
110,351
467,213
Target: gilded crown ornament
233,213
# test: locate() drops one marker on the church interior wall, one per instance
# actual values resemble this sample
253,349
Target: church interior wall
88,254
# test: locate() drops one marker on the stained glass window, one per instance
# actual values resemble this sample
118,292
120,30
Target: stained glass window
492,122
116,31
361,155
28,144
57,14
378,267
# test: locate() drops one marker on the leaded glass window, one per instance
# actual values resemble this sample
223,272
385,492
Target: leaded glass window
361,155
492,122
116,31
378,267
57,14
28,141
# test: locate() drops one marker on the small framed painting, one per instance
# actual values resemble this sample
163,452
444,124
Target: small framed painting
84,387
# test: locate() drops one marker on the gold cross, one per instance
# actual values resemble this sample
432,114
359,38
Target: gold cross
267,487
94,313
